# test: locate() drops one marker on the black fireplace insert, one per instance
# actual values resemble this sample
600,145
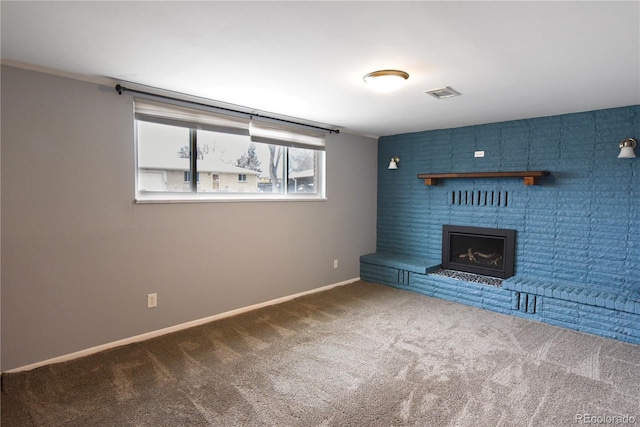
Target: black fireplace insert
484,251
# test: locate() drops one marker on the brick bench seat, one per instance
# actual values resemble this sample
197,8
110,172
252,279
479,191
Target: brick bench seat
401,262
624,300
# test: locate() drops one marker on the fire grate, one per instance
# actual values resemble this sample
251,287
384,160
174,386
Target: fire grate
469,277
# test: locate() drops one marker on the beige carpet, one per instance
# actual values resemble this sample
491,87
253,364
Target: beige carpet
356,355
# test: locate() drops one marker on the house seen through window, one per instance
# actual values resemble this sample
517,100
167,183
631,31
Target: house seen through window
230,160
187,176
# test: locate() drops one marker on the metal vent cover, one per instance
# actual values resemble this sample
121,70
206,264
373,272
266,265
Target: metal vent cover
479,198
443,92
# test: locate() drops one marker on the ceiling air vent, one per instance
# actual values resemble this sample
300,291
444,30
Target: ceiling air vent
443,92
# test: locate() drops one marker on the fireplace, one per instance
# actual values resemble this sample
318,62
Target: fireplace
483,251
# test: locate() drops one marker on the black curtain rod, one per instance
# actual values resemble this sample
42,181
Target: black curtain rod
121,89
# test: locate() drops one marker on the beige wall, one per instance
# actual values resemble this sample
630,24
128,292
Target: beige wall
79,257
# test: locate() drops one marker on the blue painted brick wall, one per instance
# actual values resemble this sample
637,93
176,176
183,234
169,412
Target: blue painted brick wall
581,224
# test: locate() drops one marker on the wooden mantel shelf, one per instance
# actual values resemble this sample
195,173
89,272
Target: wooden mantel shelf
528,176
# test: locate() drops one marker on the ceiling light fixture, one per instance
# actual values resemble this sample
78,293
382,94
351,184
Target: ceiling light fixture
386,80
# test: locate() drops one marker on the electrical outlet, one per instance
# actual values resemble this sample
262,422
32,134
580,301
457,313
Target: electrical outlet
152,300
478,154
335,263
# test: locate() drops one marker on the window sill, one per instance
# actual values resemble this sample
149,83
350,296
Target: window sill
206,198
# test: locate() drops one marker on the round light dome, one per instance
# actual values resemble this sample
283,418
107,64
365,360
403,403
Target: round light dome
386,80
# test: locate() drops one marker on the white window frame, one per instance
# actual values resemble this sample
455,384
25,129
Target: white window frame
261,131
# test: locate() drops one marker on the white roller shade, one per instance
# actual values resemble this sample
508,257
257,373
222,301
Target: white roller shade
176,115
283,134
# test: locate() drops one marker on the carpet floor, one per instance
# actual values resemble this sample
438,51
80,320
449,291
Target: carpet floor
356,355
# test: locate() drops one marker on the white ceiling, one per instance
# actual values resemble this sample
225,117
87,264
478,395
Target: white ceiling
510,60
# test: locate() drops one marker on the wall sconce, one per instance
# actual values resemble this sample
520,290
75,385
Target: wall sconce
626,148
393,164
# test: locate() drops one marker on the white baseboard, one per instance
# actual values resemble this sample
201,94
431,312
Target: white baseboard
171,329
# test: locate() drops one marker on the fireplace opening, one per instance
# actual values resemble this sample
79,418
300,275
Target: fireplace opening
484,251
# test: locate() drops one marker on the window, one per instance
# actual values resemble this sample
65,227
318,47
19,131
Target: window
238,158
161,165
187,176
